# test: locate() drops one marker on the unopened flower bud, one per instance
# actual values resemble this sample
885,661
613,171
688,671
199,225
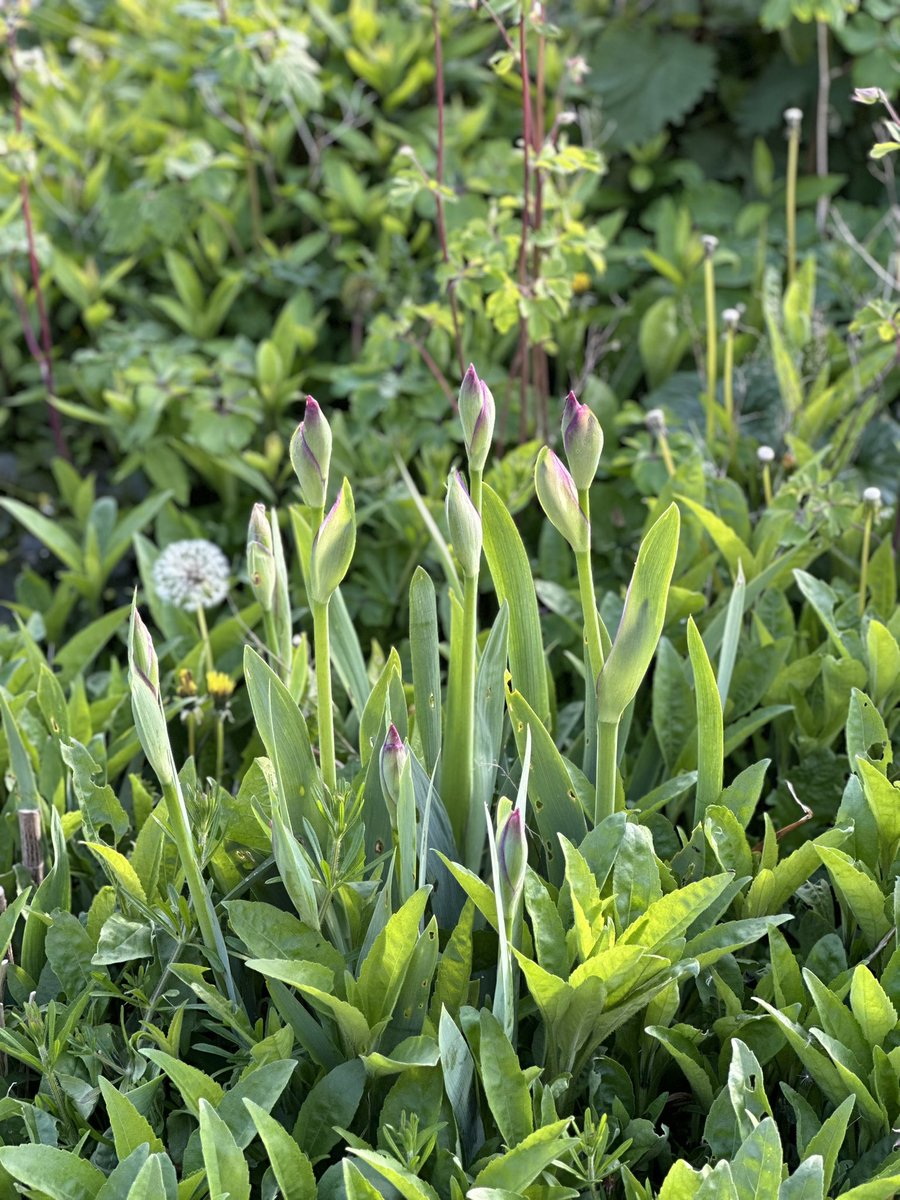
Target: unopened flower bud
476,412
867,95
465,525
332,549
793,117
311,454
512,854
583,440
710,244
393,759
731,318
872,497
766,455
558,498
260,558
146,704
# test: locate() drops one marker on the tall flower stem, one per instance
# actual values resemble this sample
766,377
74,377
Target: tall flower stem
607,752
439,198
871,500
589,598
793,116
323,691
712,339
206,656
469,656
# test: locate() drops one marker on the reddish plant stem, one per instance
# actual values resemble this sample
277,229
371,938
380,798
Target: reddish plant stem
541,370
441,216
42,353
439,376
524,354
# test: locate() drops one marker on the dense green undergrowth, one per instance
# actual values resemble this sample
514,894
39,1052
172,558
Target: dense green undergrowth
516,813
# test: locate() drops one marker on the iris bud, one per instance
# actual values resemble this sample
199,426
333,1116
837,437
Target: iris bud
465,525
311,454
394,755
583,441
260,558
332,549
558,498
476,412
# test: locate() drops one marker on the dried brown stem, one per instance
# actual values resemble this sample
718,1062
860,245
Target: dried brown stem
30,842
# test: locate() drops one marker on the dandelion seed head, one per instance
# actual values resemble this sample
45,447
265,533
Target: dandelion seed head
192,574
765,454
872,495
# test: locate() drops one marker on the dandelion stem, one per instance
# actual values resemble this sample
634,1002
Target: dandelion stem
206,656
864,559
791,199
712,344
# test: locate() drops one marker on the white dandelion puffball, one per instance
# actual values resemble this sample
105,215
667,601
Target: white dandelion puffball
192,574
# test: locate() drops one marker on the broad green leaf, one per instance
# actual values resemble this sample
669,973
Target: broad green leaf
642,619
50,533
518,1168
408,1185
737,554
81,650
828,1140
290,1166
822,600
883,798
806,1183
57,1174
129,1128
867,737
682,1042
859,891
382,973
514,583
670,916
122,872
871,1006
417,1051
331,1102
786,371
226,1167
710,730
505,1086
191,1082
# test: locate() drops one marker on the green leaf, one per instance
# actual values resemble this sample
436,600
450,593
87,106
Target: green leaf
78,653
50,533
806,1183
332,1102
681,1041
426,668
828,1140
822,600
286,739
518,1168
642,619
408,1185
669,917
191,1082
290,1166
129,1128
226,1168
19,758
710,729
505,1086
737,554
871,1006
57,1174
514,583
382,972
859,891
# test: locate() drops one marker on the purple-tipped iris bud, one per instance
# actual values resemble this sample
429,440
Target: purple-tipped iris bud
870,95
476,412
558,498
332,549
394,756
465,525
311,454
583,440
144,661
512,854
260,558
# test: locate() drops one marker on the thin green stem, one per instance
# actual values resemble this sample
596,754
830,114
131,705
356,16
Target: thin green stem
767,483
466,743
712,345
220,747
728,385
864,561
475,478
323,689
589,598
607,749
207,655
791,200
